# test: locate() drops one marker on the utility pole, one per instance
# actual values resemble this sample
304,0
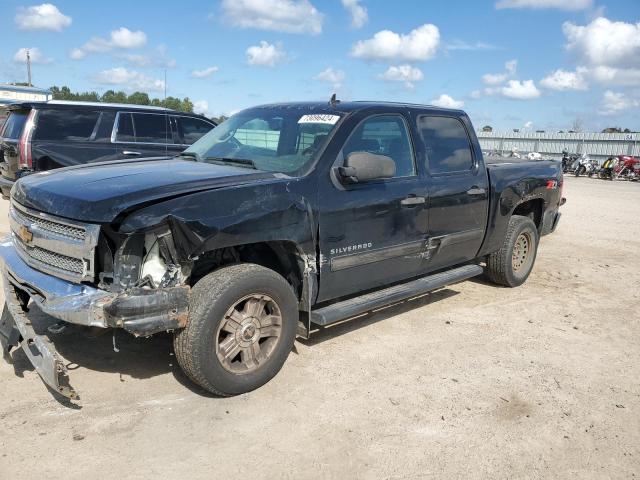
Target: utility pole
29,68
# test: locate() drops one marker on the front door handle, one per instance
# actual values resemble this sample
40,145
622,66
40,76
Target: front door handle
476,191
412,201
129,152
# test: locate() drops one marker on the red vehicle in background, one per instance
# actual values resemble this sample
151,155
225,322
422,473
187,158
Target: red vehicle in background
625,167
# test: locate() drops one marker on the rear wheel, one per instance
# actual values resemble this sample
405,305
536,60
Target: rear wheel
241,328
512,264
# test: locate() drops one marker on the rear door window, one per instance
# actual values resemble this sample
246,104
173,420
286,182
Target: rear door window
67,125
447,144
193,129
125,131
14,125
143,128
151,128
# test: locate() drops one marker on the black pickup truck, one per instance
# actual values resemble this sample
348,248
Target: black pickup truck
281,221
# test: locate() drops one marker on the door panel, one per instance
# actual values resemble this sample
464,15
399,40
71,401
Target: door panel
458,191
373,233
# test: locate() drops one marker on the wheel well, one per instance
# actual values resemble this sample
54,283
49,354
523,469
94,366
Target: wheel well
532,209
280,256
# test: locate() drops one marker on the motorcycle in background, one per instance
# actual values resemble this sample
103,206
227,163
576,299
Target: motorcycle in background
568,161
585,166
621,167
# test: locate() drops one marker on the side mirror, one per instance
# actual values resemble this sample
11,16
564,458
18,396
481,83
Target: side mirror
364,166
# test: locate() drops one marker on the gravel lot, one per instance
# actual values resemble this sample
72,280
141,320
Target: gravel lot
474,381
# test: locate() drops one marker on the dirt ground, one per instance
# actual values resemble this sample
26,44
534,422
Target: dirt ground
474,381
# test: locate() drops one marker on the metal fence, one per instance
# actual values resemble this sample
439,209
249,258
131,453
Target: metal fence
597,145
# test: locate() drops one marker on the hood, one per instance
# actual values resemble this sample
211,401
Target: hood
98,193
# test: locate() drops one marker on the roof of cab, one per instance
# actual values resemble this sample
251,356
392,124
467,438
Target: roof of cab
352,106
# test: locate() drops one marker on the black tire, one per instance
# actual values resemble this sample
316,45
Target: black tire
578,172
197,346
500,264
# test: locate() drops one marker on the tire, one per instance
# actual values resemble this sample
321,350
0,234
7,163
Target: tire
578,172
232,310
503,268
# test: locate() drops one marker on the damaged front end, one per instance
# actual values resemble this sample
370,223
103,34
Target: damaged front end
139,284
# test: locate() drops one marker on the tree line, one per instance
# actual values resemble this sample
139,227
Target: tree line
111,96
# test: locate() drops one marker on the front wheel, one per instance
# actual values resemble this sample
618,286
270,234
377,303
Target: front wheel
512,264
241,328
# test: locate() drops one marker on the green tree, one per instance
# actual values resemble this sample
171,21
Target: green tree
114,97
138,98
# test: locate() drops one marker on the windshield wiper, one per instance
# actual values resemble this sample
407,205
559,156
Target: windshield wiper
243,162
193,155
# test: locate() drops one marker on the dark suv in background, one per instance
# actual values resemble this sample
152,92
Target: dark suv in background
40,136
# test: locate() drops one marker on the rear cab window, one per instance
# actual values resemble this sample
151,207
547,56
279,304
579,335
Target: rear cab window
447,144
14,124
66,125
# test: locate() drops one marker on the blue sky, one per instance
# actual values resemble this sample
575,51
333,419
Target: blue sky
537,64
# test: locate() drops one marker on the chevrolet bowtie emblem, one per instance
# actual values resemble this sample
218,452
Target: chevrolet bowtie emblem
25,234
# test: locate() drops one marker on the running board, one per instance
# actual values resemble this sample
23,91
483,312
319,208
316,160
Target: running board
381,298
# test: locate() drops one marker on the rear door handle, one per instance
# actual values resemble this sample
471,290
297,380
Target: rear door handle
476,191
412,201
129,152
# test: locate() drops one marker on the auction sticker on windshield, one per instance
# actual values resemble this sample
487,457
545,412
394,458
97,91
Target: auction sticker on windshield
319,118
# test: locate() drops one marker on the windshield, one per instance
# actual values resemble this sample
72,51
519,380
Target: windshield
274,139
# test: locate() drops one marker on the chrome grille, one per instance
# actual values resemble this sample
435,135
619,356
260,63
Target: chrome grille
57,246
52,259
60,228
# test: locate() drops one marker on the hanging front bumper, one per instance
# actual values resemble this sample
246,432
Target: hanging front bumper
140,311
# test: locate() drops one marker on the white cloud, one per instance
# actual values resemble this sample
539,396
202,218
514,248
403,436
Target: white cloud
445,101
159,59
122,38
494,78
42,17
329,75
499,78
603,42
265,55
608,51
528,125
402,73
359,15
418,45
128,79
292,16
525,90
540,4
125,38
204,73
461,45
34,53
614,103
511,66
563,80
616,76
201,107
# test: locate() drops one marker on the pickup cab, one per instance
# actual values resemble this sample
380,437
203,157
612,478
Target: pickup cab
281,221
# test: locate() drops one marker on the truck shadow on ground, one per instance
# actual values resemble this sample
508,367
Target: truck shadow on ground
142,358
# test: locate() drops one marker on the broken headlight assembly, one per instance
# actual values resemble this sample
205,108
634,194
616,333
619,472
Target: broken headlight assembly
147,259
